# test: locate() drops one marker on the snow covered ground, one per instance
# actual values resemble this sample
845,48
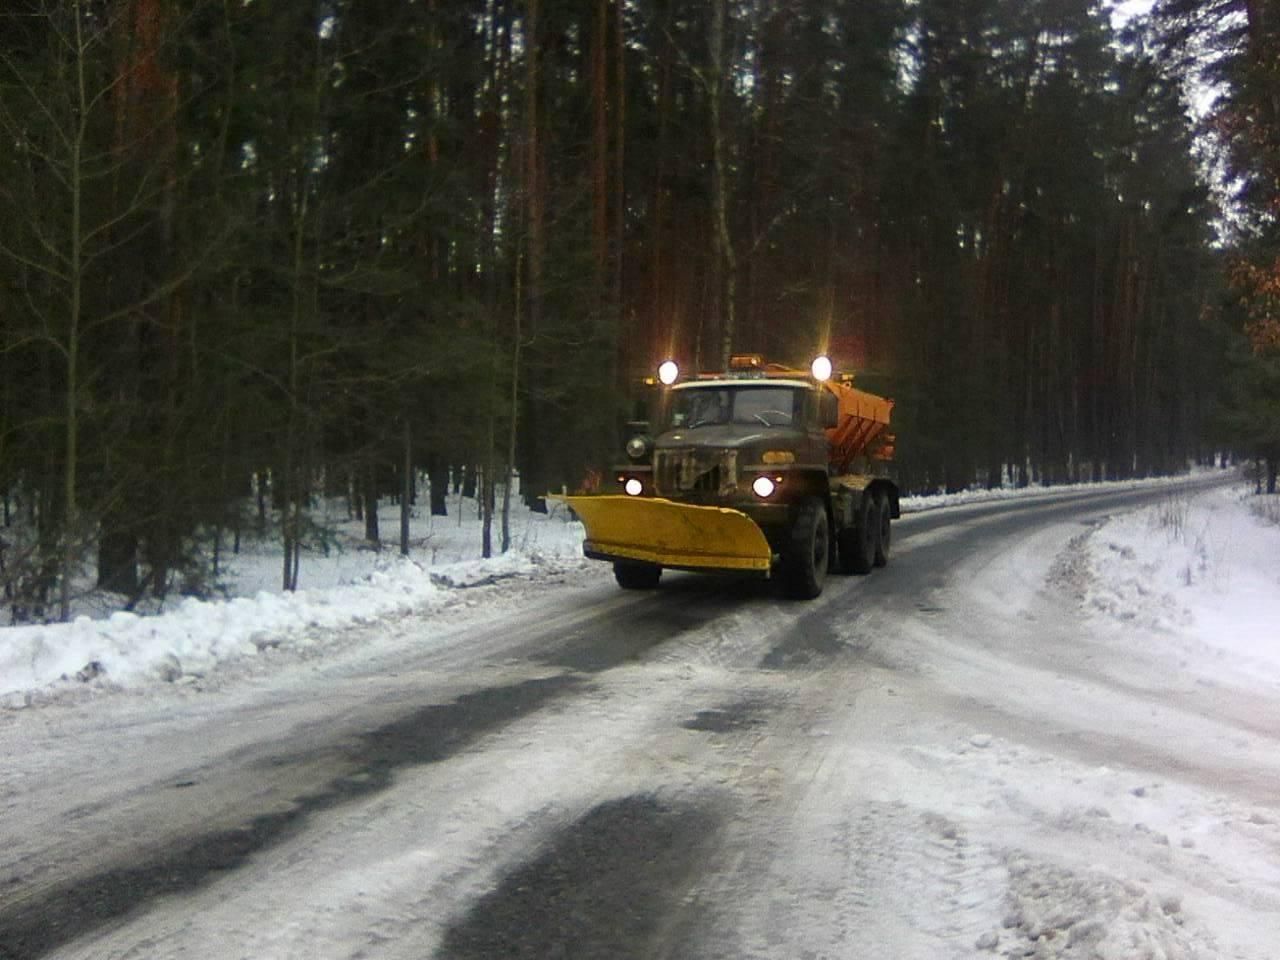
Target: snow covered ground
1125,782
1202,573
1216,575
1039,733
346,585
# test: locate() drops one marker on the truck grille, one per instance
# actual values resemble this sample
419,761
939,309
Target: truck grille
695,471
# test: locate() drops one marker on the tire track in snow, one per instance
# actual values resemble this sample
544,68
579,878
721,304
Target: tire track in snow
611,884
48,916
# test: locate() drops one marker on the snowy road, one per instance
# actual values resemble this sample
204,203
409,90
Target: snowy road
950,758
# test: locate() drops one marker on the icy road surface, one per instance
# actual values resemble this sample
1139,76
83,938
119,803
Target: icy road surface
973,752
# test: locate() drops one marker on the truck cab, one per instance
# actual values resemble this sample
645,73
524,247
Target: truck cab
727,442
761,468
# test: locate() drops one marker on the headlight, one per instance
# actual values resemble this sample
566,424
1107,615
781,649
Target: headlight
637,447
668,372
821,368
633,487
763,487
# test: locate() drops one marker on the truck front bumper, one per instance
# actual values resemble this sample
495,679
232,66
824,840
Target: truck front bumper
677,535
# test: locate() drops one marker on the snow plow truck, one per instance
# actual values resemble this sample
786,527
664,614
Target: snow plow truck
760,469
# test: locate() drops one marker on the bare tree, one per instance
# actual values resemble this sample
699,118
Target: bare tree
91,114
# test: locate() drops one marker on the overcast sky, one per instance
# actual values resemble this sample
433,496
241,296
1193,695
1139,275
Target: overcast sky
1122,10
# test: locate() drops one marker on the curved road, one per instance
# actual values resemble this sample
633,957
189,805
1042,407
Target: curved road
906,767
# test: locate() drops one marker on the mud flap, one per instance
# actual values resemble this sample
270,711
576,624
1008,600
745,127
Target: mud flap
653,530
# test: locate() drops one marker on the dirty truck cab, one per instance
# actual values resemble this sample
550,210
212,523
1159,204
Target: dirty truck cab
762,469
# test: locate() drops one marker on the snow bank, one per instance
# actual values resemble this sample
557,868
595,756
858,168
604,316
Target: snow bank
1056,913
934,501
356,585
1204,570
193,638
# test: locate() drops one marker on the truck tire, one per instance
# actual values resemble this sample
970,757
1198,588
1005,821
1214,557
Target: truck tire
857,544
808,551
884,534
634,575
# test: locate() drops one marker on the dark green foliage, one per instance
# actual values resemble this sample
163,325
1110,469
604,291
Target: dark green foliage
320,228
1233,47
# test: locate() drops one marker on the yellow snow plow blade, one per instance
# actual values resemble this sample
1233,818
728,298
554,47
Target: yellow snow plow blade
670,534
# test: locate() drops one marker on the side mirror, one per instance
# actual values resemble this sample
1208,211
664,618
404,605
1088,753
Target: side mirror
829,409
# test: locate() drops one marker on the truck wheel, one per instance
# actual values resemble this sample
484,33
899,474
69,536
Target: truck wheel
808,551
884,534
636,575
858,543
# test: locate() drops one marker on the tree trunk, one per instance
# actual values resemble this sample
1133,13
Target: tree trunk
71,519
118,562
664,336
724,241
513,436
534,470
371,531
406,489
438,479
600,147
619,175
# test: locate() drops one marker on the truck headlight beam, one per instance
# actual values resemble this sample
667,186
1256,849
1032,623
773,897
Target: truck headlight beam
763,487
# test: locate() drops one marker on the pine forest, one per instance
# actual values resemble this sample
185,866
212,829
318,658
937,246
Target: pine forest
254,254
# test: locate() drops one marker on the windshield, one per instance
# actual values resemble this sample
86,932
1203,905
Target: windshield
762,406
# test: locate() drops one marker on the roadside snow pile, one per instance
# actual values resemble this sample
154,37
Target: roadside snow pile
933,501
1267,507
440,543
192,639
1092,916
481,573
1204,567
348,584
